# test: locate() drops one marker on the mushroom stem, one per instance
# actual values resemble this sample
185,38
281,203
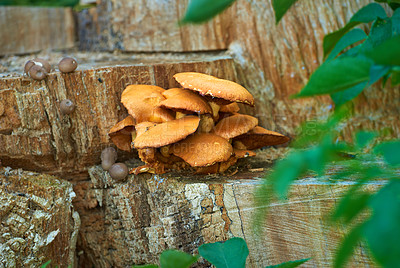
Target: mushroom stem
179,115
239,145
206,123
215,109
165,151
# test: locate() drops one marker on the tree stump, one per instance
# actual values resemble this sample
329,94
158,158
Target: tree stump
37,221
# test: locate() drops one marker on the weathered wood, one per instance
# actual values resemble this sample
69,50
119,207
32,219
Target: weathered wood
133,222
28,29
37,221
34,135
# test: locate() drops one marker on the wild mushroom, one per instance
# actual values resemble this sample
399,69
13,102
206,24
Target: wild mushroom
142,101
28,66
203,149
235,125
259,137
42,63
37,72
108,157
123,133
66,106
220,90
118,171
67,65
230,108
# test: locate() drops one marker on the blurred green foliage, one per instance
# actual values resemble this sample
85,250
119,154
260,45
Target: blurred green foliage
40,3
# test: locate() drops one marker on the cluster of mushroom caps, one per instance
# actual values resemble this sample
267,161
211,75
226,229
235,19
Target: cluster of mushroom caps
194,127
39,68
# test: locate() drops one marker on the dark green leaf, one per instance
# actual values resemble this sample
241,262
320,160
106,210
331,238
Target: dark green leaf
281,7
229,254
363,138
289,264
199,11
341,97
377,72
388,53
348,39
395,77
347,246
390,151
350,206
176,259
381,31
336,75
382,231
145,266
44,265
366,14
396,22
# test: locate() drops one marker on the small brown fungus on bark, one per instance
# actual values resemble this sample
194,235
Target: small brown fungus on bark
118,171
67,65
43,63
28,65
67,106
37,72
108,158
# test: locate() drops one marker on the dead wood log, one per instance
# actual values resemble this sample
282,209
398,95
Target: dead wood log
37,221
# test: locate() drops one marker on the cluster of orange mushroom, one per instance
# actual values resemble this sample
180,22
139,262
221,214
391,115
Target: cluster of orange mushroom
194,127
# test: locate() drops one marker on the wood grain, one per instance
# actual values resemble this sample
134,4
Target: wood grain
30,29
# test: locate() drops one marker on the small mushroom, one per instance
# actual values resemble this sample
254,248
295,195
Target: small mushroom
43,63
123,133
235,125
37,72
67,106
67,65
118,171
259,137
108,157
28,65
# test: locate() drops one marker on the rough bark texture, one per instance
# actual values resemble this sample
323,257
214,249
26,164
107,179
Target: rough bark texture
133,222
34,135
37,221
27,29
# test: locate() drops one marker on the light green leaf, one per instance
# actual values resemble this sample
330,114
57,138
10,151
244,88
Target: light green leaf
347,246
199,11
229,254
377,72
348,39
281,7
366,14
387,53
176,259
382,231
351,205
289,264
145,266
341,97
396,22
390,151
336,75
363,138
44,265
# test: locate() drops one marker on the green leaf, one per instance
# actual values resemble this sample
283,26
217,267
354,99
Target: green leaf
350,206
382,231
396,22
341,97
377,72
381,31
229,254
199,11
347,246
366,14
390,151
336,75
289,264
363,138
281,7
145,266
176,259
44,265
387,53
348,39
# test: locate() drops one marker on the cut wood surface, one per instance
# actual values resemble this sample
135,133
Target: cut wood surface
34,135
133,222
37,221
31,29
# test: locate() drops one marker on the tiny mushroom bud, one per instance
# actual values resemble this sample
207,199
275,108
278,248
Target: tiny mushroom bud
42,63
108,157
118,171
67,106
28,65
67,65
37,72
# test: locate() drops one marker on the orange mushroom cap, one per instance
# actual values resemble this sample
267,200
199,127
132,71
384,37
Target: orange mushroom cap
203,149
235,125
260,137
230,108
142,101
167,133
180,99
214,87
120,133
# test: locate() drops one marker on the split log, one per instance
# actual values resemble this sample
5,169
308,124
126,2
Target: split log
31,29
34,135
133,222
37,220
